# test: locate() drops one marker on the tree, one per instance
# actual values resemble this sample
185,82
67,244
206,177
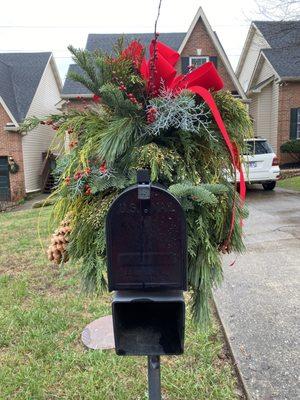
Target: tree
279,10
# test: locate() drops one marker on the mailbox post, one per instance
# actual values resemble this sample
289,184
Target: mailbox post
147,253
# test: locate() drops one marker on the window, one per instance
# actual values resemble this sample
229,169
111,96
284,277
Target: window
295,123
298,124
196,61
258,147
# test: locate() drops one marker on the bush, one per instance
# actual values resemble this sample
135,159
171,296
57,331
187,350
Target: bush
292,147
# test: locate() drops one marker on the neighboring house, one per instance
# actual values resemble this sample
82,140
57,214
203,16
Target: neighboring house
197,46
269,71
29,86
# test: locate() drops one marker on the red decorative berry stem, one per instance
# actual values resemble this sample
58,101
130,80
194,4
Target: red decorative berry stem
152,61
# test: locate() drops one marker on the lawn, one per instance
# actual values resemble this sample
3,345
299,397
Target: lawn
290,183
42,315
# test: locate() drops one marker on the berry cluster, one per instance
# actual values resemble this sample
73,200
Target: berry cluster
123,88
96,98
103,168
87,189
153,70
51,123
132,98
73,144
151,115
78,175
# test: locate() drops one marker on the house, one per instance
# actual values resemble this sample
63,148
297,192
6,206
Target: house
29,86
269,72
196,46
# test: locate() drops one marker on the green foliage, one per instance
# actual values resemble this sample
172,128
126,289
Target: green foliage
96,72
292,146
235,116
114,98
182,148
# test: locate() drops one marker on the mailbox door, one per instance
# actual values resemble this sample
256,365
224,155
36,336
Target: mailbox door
146,241
148,324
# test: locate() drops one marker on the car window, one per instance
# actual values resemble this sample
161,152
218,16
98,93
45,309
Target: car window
258,147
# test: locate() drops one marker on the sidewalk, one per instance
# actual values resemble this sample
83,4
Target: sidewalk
259,301
28,204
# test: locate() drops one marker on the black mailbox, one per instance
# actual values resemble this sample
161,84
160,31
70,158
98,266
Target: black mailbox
146,254
146,241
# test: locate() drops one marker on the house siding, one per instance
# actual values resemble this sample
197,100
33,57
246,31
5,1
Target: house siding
264,112
266,72
11,146
257,43
200,39
39,140
253,111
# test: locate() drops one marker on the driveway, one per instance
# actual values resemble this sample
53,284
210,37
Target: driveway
259,300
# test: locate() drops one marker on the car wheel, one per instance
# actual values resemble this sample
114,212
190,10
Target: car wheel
269,185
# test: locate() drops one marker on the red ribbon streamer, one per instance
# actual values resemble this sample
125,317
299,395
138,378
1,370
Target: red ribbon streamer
199,81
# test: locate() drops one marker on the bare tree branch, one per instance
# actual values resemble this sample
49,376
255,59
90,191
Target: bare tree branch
279,10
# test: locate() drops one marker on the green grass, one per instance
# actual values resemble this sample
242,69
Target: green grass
42,315
290,183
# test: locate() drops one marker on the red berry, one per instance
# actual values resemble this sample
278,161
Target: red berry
103,168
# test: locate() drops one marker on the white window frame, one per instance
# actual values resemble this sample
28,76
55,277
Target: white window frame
298,124
191,58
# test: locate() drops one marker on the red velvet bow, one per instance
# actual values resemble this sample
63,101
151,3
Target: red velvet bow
160,70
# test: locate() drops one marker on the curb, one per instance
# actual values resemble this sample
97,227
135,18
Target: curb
282,190
235,363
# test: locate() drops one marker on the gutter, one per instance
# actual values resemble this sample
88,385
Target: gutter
290,79
75,96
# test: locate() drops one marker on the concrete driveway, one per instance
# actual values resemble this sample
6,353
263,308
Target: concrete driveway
259,300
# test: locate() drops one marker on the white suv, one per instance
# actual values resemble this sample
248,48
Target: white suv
260,164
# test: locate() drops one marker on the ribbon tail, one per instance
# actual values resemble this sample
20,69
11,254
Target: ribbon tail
209,100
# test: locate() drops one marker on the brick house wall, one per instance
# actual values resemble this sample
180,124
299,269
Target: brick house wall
199,39
289,97
11,146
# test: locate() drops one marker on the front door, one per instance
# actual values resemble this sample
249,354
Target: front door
4,180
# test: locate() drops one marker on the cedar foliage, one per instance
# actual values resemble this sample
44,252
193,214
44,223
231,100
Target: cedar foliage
111,139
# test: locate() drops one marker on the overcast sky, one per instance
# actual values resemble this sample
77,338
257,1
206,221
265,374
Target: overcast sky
35,25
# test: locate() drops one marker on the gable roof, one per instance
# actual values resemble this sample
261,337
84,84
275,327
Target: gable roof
176,40
274,34
280,34
106,42
218,46
20,74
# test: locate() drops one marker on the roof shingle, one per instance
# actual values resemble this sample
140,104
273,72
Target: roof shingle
106,42
286,62
280,34
20,74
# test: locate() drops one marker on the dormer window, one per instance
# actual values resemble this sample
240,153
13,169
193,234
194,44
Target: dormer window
196,61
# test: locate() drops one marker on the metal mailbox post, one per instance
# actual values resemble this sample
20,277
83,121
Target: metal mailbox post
147,253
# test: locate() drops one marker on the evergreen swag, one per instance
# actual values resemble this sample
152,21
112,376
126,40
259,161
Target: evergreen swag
124,129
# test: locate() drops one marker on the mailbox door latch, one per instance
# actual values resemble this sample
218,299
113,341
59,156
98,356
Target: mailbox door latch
143,181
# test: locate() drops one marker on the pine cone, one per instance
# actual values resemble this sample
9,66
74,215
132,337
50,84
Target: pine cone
57,251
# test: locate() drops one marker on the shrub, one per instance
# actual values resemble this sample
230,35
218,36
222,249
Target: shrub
292,147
